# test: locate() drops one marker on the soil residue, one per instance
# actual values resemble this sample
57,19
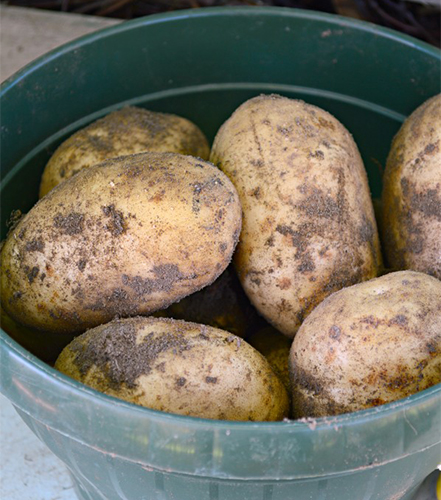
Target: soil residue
116,225
115,351
70,224
166,275
35,245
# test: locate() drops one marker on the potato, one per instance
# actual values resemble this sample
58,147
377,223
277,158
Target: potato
367,345
222,305
308,221
45,345
126,237
275,347
126,131
177,367
412,193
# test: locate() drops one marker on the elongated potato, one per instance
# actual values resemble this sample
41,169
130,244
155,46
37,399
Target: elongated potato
126,237
412,193
127,131
178,367
367,345
308,221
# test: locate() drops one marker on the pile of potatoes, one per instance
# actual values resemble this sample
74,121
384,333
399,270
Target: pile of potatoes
245,283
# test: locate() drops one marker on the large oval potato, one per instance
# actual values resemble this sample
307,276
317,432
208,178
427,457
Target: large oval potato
412,193
177,367
126,237
367,345
308,221
127,131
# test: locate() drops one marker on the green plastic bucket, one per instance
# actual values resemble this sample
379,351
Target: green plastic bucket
202,64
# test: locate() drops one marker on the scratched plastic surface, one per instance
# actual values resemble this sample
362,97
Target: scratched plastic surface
202,64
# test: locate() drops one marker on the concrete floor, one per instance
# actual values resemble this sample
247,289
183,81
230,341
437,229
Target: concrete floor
26,34
28,469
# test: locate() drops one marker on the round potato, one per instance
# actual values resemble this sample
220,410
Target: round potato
275,347
367,345
412,193
177,367
126,237
222,305
308,221
127,131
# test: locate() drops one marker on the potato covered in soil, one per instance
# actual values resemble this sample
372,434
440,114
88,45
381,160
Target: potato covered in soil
367,345
177,367
308,221
126,237
412,193
127,131
223,304
45,345
275,347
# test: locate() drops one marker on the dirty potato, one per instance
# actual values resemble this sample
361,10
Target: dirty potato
275,347
126,237
45,345
412,193
223,305
308,221
367,345
177,367
127,131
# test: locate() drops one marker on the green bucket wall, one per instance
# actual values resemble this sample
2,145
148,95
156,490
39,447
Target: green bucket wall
202,64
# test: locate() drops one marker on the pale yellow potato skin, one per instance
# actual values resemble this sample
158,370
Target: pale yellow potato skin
412,193
368,344
127,131
275,347
126,237
308,222
177,367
